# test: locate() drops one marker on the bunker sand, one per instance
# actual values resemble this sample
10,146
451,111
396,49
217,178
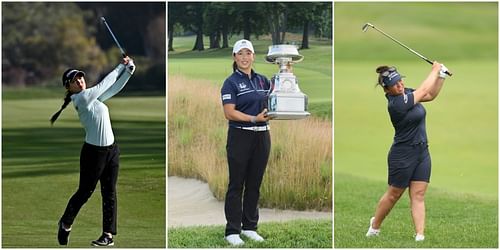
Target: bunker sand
190,203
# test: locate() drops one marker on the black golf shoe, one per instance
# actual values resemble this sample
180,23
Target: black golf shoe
62,234
103,241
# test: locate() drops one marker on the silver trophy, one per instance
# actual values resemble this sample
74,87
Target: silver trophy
286,102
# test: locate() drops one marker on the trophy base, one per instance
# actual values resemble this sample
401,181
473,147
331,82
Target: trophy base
288,115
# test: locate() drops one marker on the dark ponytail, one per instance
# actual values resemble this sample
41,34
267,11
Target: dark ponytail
235,66
67,100
380,70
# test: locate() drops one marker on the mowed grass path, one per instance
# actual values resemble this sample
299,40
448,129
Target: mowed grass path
462,123
40,171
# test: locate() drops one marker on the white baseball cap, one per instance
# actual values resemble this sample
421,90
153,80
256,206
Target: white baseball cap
242,44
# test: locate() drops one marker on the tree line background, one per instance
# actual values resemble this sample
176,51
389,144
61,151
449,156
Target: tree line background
42,39
220,20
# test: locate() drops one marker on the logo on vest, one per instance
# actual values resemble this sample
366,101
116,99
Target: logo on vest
242,86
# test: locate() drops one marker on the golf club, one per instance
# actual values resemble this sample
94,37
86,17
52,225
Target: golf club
365,28
113,35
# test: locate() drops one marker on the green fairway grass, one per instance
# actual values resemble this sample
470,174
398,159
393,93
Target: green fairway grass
40,171
292,234
462,122
453,220
314,73
440,31
461,127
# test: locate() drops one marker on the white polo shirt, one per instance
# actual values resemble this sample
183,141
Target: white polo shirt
93,113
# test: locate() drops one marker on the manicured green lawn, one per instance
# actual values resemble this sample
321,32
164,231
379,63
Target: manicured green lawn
292,234
462,123
453,220
40,170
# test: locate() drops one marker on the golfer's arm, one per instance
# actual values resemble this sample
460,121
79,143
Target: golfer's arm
422,93
123,78
434,91
91,94
234,115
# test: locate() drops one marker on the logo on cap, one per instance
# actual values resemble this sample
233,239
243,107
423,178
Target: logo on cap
69,75
243,44
393,74
390,77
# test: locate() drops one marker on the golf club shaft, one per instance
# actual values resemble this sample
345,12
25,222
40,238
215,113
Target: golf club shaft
114,38
406,47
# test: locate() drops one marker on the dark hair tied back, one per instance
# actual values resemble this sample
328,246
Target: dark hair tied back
235,66
380,70
67,100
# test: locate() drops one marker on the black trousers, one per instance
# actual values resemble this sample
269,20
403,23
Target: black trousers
96,164
247,156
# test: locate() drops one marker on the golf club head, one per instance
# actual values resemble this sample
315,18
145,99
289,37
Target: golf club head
365,27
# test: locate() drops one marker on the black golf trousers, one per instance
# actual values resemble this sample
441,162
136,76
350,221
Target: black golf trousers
247,156
96,164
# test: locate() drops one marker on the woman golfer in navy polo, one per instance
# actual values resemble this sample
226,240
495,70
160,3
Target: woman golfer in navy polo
244,98
409,161
99,157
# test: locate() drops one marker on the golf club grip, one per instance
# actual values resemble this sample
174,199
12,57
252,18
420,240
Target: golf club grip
429,61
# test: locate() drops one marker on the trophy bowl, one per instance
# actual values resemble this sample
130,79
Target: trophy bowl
286,102
283,51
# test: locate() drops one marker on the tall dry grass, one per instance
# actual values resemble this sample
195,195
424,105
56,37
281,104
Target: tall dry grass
299,172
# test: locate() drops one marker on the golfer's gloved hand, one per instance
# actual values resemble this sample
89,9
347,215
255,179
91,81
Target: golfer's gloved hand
130,66
442,71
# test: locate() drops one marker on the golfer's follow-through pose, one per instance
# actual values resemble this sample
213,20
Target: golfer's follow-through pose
244,97
409,160
99,157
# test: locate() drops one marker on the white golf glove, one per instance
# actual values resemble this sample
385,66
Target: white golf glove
130,67
442,71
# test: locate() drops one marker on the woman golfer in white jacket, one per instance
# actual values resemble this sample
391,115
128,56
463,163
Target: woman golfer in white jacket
99,157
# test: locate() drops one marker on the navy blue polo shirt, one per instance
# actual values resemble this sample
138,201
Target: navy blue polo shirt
249,94
407,118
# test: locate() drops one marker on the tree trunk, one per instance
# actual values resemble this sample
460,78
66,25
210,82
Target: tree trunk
247,25
217,39
225,39
212,41
305,36
170,37
198,44
283,26
274,29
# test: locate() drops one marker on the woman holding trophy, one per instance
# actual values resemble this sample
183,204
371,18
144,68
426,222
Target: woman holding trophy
244,97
